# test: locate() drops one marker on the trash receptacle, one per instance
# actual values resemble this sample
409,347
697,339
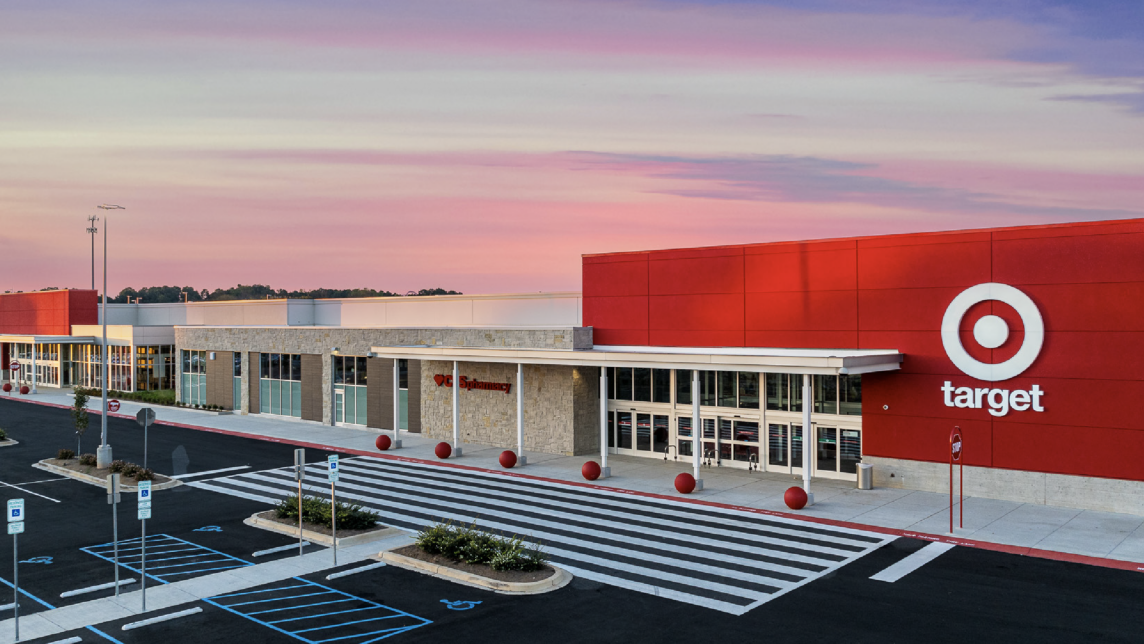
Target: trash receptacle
865,476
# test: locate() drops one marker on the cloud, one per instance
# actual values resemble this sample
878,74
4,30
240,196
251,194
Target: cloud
1132,102
801,179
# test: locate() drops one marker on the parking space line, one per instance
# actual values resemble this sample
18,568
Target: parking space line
206,557
360,621
337,612
17,487
912,562
263,601
277,610
192,572
257,592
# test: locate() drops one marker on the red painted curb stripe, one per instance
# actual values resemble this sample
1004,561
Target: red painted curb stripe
968,543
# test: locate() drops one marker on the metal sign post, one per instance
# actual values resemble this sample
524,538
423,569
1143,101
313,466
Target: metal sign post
15,527
332,473
144,513
145,417
299,474
955,455
113,501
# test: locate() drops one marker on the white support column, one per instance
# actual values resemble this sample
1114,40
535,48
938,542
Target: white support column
696,428
807,437
34,365
520,459
396,403
605,471
456,409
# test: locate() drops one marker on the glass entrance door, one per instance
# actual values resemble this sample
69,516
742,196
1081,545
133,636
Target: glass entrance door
339,406
784,448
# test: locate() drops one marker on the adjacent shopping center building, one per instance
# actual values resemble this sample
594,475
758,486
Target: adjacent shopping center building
1029,340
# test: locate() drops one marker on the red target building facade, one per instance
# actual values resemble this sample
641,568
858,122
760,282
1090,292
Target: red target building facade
1041,365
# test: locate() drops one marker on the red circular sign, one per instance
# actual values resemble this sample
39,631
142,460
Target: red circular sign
14,366
113,405
955,446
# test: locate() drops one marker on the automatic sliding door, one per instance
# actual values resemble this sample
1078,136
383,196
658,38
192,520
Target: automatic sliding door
643,432
624,423
660,433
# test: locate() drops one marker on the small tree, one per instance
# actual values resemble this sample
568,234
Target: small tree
79,416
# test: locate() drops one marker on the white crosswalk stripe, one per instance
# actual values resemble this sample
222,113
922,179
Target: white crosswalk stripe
724,559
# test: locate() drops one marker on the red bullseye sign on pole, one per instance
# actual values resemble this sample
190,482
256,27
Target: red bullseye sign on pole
113,405
955,455
14,366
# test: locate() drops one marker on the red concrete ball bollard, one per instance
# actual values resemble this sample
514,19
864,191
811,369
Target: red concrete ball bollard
795,498
508,459
24,389
443,450
7,387
685,483
383,442
591,470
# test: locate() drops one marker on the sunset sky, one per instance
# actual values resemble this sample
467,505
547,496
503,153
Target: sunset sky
484,145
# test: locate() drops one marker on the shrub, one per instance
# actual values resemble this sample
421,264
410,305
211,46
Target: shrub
87,459
317,511
145,474
116,467
130,470
473,546
3,435
65,454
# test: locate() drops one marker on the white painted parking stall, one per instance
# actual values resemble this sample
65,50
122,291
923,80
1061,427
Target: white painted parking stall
723,559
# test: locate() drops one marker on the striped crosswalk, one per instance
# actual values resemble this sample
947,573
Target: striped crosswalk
720,558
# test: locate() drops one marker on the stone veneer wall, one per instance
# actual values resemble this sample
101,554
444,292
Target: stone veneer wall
358,342
554,407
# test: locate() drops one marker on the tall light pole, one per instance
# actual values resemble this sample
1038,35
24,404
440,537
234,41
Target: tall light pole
103,454
93,230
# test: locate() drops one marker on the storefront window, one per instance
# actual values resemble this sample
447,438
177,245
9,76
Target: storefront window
194,378
641,380
778,391
682,387
748,390
826,394
661,385
349,389
623,383
280,388
707,388
728,389
850,395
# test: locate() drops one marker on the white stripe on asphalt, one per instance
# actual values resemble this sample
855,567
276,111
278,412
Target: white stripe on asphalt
668,527
225,469
912,562
550,539
623,552
29,492
354,571
241,495
659,507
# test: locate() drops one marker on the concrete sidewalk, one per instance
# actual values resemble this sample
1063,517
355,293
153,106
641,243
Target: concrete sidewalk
1086,533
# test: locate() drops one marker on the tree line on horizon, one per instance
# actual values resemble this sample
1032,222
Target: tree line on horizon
163,294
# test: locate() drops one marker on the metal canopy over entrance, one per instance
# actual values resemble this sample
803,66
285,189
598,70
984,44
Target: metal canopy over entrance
801,361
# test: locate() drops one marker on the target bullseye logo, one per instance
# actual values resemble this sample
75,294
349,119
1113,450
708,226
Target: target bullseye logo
991,332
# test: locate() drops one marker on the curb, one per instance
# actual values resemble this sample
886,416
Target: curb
317,537
92,480
1027,551
558,580
8,443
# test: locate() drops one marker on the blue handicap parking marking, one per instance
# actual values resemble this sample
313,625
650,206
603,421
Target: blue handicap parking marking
313,613
209,528
37,560
459,605
168,558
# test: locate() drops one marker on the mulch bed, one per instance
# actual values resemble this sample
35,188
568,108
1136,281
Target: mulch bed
73,465
271,515
511,576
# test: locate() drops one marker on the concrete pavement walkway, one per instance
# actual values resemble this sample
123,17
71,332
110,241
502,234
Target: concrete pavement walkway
1007,525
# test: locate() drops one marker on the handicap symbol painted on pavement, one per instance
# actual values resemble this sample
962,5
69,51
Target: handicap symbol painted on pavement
209,528
459,605
43,560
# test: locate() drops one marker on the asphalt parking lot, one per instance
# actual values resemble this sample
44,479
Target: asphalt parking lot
964,594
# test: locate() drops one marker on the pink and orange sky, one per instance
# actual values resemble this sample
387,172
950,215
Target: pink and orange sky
484,145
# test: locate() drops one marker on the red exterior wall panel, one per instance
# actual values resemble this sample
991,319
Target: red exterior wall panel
46,312
891,292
